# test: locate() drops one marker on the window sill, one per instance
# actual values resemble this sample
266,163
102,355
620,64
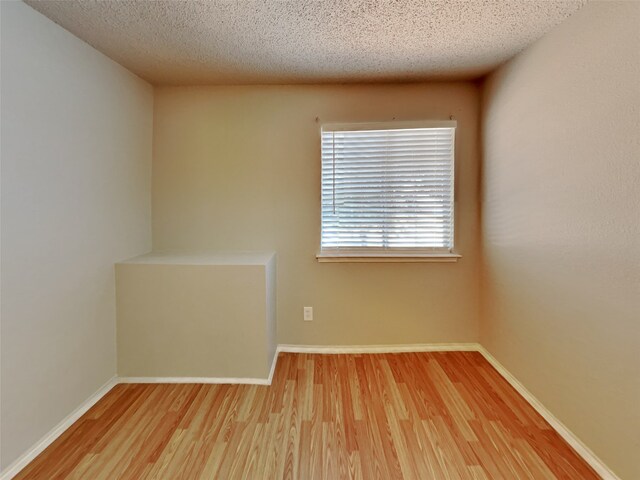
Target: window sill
387,258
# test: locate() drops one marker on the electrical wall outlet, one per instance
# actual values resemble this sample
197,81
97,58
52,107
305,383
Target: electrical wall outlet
308,314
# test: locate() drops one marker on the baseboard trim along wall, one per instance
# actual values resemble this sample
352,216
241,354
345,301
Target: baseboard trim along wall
353,349
26,458
580,448
211,380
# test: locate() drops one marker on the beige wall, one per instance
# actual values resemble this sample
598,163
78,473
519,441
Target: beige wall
561,223
76,158
239,168
196,315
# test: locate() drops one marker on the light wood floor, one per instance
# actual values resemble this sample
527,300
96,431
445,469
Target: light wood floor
392,416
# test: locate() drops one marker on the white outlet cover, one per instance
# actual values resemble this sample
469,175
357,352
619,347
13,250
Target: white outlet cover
308,314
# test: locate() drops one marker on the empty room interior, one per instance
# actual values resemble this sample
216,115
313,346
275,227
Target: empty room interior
320,239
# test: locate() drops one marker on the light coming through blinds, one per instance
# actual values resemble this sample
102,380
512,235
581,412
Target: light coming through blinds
385,190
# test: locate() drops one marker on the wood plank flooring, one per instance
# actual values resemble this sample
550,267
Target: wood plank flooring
421,416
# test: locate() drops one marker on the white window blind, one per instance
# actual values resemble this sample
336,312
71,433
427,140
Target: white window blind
388,188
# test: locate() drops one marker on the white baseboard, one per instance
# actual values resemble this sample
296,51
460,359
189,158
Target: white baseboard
274,362
208,380
26,458
580,448
418,347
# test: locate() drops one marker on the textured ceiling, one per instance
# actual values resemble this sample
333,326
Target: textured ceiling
307,41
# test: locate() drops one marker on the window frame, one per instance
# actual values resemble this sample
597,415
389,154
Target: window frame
391,254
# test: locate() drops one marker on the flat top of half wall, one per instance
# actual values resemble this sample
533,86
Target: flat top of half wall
203,258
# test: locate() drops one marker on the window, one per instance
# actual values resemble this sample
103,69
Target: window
387,191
